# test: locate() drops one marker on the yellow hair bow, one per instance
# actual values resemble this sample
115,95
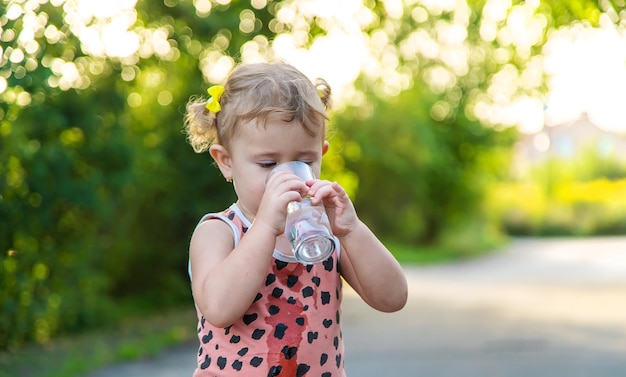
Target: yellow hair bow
213,104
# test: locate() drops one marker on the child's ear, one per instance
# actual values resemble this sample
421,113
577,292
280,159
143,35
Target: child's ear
325,147
222,158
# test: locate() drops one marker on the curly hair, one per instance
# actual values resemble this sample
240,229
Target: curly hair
258,91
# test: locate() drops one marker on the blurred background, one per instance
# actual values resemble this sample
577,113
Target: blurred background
457,126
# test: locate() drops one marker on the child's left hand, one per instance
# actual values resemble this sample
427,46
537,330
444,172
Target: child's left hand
337,203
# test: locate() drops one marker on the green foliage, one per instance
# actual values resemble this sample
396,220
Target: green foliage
564,11
570,209
578,197
418,176
98,198
589,164
99,192
132,339
64,167
425,159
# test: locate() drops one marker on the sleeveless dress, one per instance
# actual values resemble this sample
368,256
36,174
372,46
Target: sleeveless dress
291,329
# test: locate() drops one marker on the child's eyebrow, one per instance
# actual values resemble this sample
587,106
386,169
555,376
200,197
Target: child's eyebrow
265,155
270,154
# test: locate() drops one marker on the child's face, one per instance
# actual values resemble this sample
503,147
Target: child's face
255,150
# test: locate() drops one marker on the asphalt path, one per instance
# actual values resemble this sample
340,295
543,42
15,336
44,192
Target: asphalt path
539,307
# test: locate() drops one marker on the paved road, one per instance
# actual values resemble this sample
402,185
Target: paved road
541,308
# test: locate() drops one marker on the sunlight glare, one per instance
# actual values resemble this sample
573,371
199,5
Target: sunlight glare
586,66
3,84
103,9
533,119
255,50
103,27
203,7
394,8
339,56
587,69
541,141
438,6
215,66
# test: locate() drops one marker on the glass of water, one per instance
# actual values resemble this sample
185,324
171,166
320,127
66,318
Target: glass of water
307,227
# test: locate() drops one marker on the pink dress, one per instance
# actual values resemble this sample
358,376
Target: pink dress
291,329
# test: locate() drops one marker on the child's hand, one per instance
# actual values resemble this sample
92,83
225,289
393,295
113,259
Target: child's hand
281,188
339,207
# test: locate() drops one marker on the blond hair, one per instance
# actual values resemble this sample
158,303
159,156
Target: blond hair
258,91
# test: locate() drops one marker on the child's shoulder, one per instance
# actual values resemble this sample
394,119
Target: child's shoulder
220,221
227,215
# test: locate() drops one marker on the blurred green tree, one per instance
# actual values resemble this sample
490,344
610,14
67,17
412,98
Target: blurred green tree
418,176
99,191
63,162
443,72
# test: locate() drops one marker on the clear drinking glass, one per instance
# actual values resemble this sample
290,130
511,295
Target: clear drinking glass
307,227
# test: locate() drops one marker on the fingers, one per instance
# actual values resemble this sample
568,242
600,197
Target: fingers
283,182
320,190
280,189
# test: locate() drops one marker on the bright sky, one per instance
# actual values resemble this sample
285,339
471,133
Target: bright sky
588,68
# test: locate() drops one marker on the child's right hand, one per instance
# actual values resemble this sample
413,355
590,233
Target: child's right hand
280,189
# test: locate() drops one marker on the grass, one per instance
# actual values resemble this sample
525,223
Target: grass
139,338
73,356
422,255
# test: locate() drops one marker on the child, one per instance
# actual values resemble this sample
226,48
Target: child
259,314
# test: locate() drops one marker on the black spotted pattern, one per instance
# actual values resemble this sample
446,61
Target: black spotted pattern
294,313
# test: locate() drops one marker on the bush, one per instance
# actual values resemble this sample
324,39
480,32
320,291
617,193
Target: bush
596,207
418,178
62,172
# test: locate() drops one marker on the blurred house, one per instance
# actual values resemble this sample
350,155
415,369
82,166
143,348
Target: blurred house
568,140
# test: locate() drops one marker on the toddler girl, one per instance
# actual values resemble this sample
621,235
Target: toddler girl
259,313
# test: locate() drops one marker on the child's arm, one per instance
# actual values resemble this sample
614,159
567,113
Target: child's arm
225,281
366,264
372,271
